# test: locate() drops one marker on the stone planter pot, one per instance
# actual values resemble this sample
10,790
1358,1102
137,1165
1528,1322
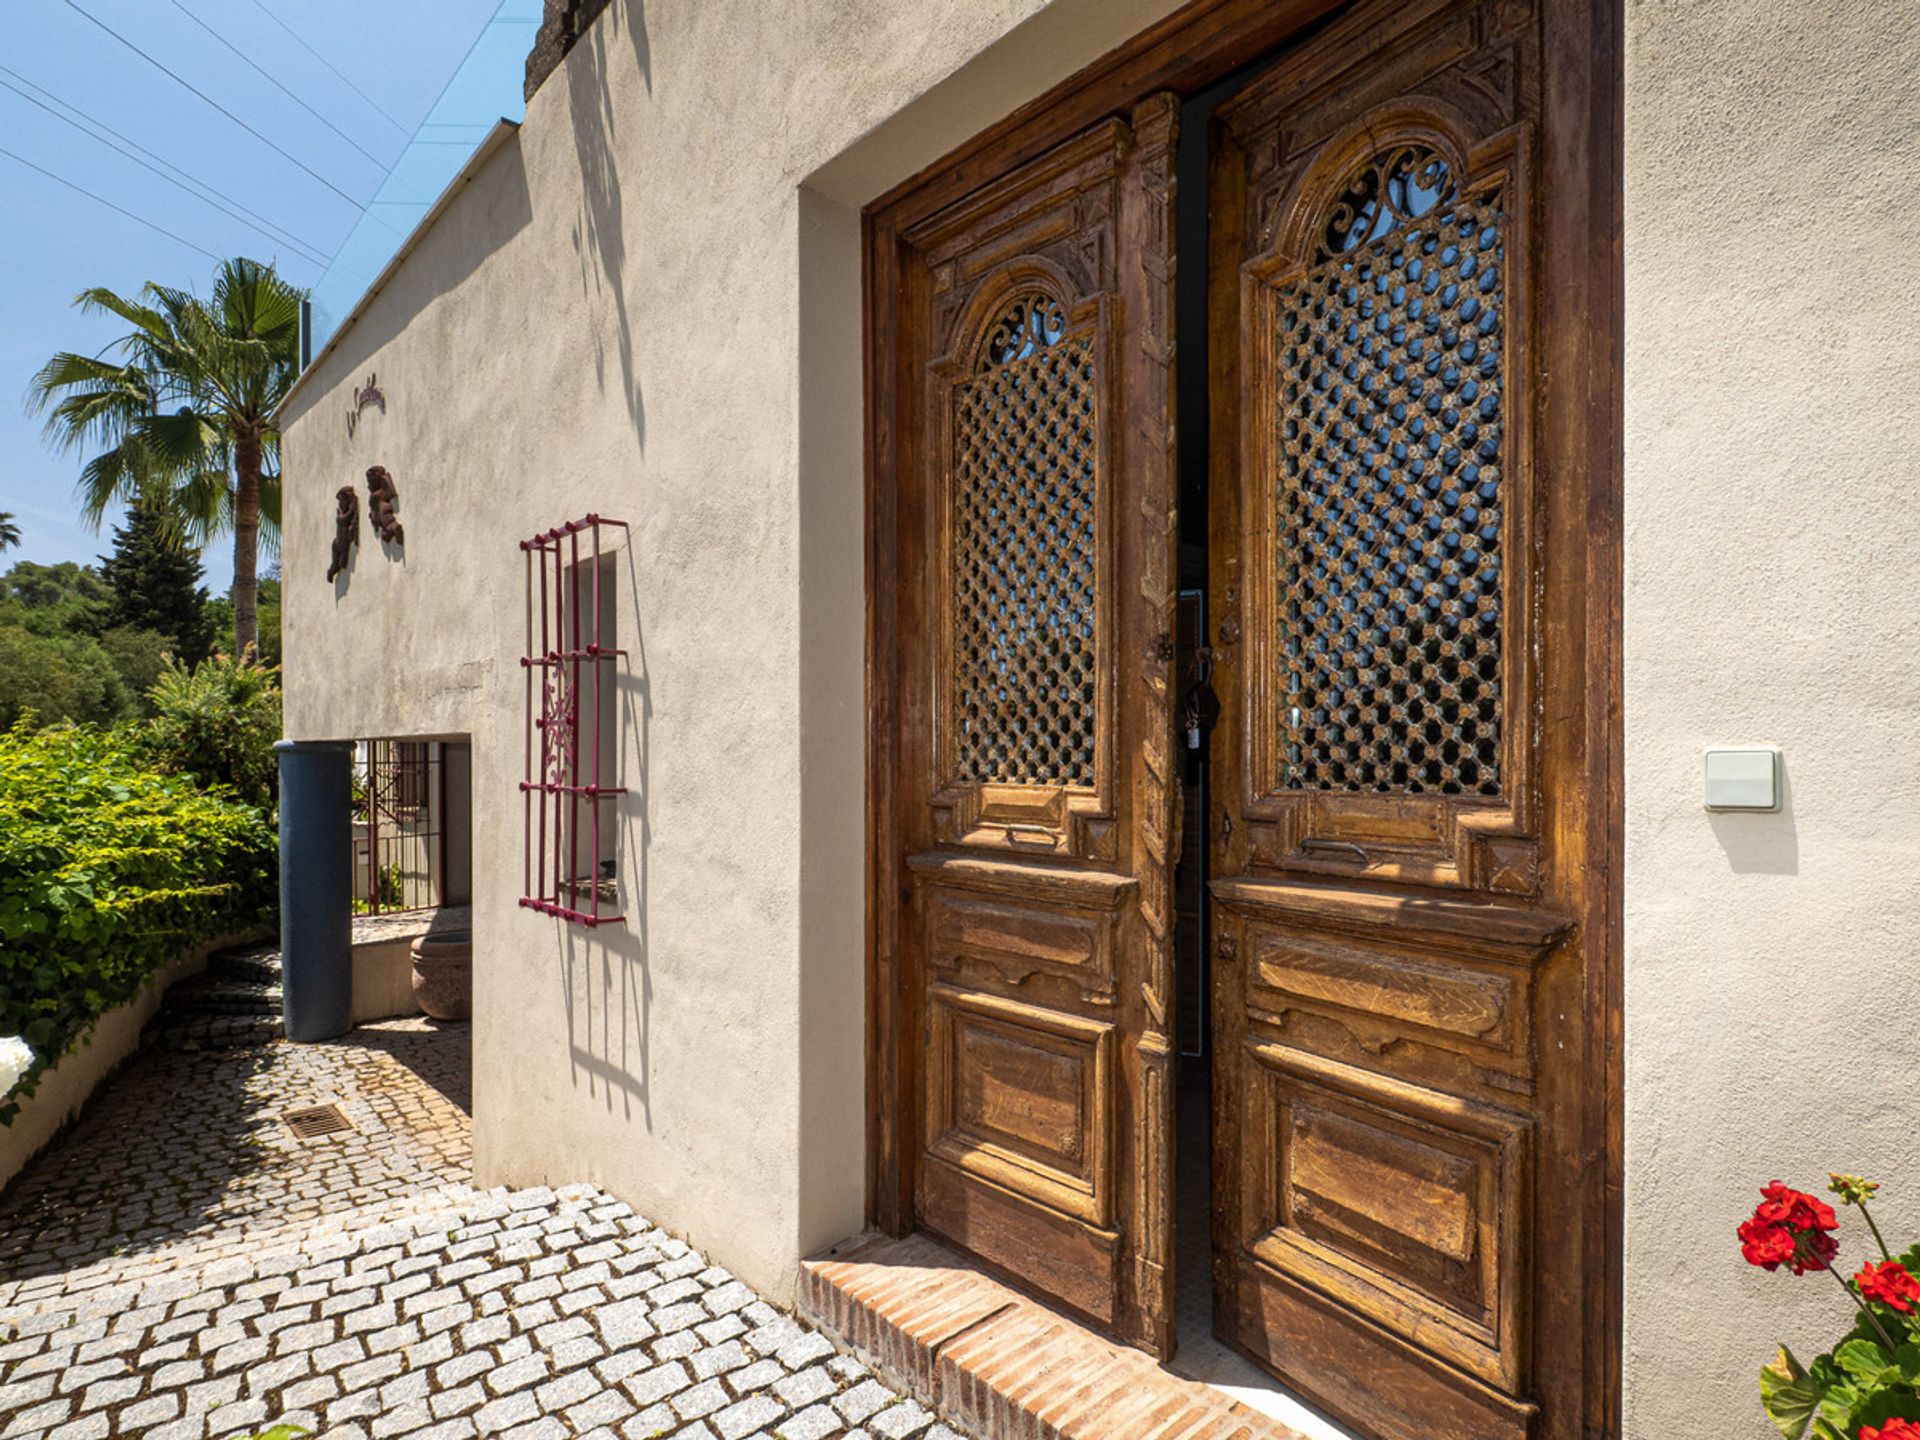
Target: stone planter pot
443,974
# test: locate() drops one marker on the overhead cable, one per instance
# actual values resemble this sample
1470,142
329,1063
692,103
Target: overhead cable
307,252
285,88
141,219
287,236
330,65
189,85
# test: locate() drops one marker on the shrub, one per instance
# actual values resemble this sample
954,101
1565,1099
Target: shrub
217,722
139,656
107,871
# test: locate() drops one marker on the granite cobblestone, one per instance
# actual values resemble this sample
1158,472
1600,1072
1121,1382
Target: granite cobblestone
213,1275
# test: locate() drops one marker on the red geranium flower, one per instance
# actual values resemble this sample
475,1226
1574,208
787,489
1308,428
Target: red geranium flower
1794,1209
1768,1246
1892,1430
1892,1286
1790,1228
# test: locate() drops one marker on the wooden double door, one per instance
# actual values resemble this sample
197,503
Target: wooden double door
1409,572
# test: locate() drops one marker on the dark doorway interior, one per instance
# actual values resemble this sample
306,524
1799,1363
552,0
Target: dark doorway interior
1193,722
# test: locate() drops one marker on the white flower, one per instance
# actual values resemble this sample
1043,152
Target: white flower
15,1060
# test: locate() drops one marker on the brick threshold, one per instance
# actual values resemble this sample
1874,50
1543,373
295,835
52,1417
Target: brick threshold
1000,1363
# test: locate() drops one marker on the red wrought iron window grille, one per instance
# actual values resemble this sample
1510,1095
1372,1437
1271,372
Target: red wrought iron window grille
572,678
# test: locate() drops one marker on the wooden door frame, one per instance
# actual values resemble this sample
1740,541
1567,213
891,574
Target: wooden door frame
1196,46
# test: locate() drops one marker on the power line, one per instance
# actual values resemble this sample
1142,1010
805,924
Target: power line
285,235
285,88
215,104
140,219
452,75
330,65
309,252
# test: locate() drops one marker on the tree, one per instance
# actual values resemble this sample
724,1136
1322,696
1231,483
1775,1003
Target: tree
156,585
219,615
186,416
9,531
60,657
59,677
60,599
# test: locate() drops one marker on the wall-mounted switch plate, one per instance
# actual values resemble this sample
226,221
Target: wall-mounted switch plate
1746,777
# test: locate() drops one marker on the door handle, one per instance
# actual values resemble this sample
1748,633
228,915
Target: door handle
1343,846
1042,835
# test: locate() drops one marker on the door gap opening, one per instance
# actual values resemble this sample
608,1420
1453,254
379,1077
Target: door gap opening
1199,1354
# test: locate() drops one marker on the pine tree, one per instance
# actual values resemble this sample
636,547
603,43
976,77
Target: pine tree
156,585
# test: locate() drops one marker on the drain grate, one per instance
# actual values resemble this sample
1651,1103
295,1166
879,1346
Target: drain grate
315,1121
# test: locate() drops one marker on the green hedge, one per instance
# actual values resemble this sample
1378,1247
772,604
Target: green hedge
107,871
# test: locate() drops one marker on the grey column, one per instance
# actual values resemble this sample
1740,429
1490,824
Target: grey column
316,887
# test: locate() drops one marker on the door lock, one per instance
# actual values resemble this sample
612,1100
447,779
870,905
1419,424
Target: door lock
1199,707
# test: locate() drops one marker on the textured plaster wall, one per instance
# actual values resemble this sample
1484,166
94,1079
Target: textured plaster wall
647,305
1773,559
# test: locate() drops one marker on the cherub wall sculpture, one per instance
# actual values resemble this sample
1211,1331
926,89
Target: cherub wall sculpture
346,529
382,501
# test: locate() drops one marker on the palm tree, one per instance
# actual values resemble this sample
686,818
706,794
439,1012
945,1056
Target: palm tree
186,415
9,532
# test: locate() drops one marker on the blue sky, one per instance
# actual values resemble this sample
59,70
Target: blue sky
417,86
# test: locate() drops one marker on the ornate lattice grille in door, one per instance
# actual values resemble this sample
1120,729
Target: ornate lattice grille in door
1390,429
1024,554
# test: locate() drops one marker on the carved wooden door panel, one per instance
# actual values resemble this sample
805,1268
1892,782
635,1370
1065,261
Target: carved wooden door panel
1037,596
1399,1020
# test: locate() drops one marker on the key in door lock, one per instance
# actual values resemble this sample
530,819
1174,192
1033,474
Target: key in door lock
1199,706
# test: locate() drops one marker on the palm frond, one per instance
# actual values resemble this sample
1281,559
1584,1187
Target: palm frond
115,476
144,318
254,300
90,400
185,441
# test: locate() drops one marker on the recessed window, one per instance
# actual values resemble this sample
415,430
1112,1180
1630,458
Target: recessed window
571,785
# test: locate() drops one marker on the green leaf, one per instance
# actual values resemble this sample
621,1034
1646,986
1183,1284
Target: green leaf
1867,1362
1840,1404
1790,1395
1907,1358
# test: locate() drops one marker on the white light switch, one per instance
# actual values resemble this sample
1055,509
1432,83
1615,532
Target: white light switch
1747,778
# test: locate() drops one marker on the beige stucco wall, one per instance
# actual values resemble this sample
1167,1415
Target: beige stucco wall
646,304
1773,558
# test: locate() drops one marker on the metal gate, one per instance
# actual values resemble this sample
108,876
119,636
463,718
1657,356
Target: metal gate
399,801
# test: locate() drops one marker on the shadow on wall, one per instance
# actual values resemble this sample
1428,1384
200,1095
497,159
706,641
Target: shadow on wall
607,976
1763,842
454,255
599,236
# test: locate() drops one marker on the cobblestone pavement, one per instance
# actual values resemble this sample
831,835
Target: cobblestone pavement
183,1267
